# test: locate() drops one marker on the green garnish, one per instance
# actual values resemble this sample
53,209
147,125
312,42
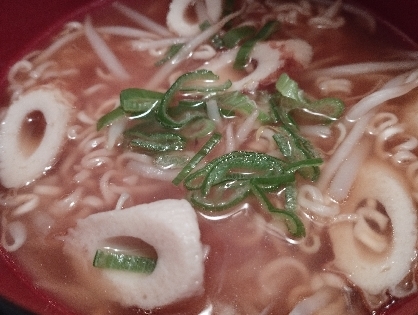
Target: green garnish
133,102
292,98
171,52
234,36
110,117
236,101
166,123
158,141
113,259
139,100
229,179
245,50
209,145
167,160
290,218
198,128
296,148
183,82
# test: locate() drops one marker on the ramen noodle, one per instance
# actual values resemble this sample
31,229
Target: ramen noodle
187,157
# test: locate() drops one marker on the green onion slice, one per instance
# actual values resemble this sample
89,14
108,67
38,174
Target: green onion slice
113,259
247,47
198,128
110,117
171,52
207,88
235,101
292,221
236,35
162,109
158,141
169,160
223,196
292,98
252,164
209,145
139,100
299,151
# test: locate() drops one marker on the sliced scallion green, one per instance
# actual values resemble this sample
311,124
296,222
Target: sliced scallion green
292,98
299,151
198,128
168,160
234,36
162,109
108,118
158,141
134,100
112,259
236,101
208,146
223,196
171,52
292,221
245,50
253,164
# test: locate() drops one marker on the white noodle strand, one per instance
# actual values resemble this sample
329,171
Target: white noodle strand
126,32
347,172
343,151
246,127
30,203
142,20
16,232
104,52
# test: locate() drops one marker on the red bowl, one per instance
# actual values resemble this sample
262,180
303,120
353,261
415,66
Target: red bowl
25,23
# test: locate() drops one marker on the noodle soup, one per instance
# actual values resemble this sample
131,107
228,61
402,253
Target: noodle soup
256,159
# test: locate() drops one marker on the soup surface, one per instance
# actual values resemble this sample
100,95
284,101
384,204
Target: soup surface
267,166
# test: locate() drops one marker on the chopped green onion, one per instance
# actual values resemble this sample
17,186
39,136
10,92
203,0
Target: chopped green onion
198,128
275,182
236,101
292,98
289,88
222,196
166,161
172,51
236,35
297,149
204,25
158,141
309,162
207,88
227,180
293,222
139,100
253,164
112,259
162,108
290,196
108,118
247,47
209,145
